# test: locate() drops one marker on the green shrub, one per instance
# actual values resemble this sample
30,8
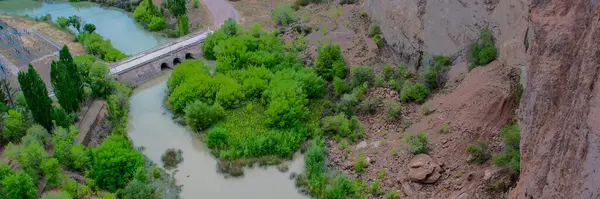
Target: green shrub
512,157
347,105
230,27
445,128
392,195
314,163
392,109
201,88
479,152
217,138
80,157
417,144
377,40
138,190
62,141
413,92
312,84
156,172
212,39
183,25
19,185
337,125
40,134
283,14
511,135
360,163
157,23
403,71
375,188
51,171
338,86
95,44
483,51
381,174
60,117
100,84
15,126
141,174
433,75
200,116
57,195
374,28
115,162
196,4
187,70
287,101
341,188
362,74
370,105
379,79
330,62
387,71
230,92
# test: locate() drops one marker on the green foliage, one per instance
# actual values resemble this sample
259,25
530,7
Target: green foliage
377,40
445,128
186,70
479,152
141,175
330,62
432,76
79,157
392,109
314,162
156,172
379,80
230,27
51,171
287,101
19,185
88,27
202,87
30,156
66,81
341,188
212,39
138,190
417,144
387,71
483,51
403,71
337,125
230,92
114,163
199,115
36,95
196,4
157,23
57,195
348,104
14,126
374,28
338,86
63,22
62,141
381,174
38,134
182,25
370,105
95,44
360,163
283,14
414,92
217,138
146,12
176,7
361,74
375,187
392,195
99,81
60,116
512,157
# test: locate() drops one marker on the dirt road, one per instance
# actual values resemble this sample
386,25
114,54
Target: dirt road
221,10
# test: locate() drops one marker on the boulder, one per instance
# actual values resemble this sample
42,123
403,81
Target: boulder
423,169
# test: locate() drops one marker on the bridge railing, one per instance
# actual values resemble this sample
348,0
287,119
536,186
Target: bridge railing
162,46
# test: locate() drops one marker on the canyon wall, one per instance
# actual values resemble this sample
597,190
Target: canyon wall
417,27
560,109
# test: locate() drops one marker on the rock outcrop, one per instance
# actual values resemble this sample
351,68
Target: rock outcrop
417,27
423,169
560,109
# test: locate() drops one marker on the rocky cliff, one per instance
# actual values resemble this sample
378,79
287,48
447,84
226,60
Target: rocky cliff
416,27
560,109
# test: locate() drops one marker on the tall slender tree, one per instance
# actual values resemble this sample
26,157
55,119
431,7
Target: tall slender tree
7,91
176,7
66,81
36,95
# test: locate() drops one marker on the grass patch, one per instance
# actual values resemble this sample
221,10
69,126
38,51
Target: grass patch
417,144
360,163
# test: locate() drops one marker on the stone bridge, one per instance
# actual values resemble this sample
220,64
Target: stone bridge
147,65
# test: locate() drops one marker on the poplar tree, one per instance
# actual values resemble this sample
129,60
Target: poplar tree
36,95
66,81
176,7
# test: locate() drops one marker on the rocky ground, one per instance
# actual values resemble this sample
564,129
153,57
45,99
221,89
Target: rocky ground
257,11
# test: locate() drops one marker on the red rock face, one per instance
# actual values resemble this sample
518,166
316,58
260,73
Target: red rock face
560,109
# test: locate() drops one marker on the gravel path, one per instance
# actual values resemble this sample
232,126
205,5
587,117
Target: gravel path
221,10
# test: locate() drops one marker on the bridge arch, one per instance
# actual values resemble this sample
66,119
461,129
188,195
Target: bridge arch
164,66
176,61
189,56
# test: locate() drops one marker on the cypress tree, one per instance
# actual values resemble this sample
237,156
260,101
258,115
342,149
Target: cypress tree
66,81
36,95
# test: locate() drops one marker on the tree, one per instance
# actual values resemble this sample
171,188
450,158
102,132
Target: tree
330,62
36,95
101,85
40,134
62,141
88,27
66,80
138,190
183,26
51,170
7,92
19,185
76,22
14,126
60,117
200,115
176,7
114,163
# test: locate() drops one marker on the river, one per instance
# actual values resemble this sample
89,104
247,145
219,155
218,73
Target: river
150,124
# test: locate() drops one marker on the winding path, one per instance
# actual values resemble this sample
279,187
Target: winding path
221,10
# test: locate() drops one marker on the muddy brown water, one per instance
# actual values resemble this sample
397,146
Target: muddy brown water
150,126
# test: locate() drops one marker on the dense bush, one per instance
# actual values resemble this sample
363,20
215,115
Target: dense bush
199,115
338,86
62,142
157,23
512,157
370,105
19,185
314,163
374,28
230,92
60,117
413,92
483,51
337,125
230,27
362,74
433,75
51,171
392,109
479,152
216,138
341,188
96,45
147,13
286,104
100,84
283,14
200,88
14,125
39,134
330,62
360,163
80,159
212,40
114,162
417,144
188,69
138,190
348,104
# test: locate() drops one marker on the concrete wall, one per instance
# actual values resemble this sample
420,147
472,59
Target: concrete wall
152,69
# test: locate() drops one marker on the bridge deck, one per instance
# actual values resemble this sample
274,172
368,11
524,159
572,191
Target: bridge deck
157,52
